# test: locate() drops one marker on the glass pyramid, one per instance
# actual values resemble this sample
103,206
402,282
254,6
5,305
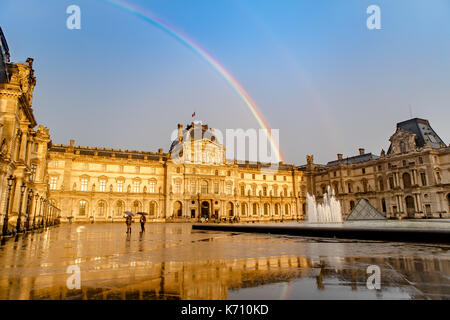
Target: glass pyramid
364,211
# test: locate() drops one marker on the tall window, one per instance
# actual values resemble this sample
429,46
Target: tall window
84,184
265,191
101,208
33,172
216,187
193,187
402,147
136,186
242,190
287,209
102,185
266,209
119,186
152,186
119,208
136,206
255,209
423,177
204,187
177,186
82,209
53,181
152,208
243,209
229,188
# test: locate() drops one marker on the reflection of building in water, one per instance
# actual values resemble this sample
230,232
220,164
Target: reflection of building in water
214,279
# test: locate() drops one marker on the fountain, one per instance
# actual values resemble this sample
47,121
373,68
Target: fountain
328,212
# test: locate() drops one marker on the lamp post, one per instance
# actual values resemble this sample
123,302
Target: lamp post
30,195
35,208
11,180
44,214
23,187
40,224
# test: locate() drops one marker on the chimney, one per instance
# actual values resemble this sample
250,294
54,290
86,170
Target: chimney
339,155
361,151
160,150
71,143
180,132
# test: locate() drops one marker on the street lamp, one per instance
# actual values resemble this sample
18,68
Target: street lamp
30,195
44,214
23,187
11,180
40,224
35,208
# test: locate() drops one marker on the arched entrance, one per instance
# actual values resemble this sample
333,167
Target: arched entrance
205,209
177,209
448,202
230,209
410,206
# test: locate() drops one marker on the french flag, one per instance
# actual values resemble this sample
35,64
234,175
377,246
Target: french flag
193,115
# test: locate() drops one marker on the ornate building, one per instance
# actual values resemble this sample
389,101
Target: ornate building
411,180
23,148
194,180
191,181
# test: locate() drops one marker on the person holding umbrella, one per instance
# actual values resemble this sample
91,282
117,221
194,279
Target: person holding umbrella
143,220
128,220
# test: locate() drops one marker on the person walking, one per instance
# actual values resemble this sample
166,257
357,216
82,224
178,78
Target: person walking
128,221
143,220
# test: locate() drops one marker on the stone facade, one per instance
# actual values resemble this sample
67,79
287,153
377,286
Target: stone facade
194,180
411,180
100,184
23,147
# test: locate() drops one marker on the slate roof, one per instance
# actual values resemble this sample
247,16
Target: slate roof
423,131
355,159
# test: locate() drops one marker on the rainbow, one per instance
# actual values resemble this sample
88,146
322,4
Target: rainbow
178,35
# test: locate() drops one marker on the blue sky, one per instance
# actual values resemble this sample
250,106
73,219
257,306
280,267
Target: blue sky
316,72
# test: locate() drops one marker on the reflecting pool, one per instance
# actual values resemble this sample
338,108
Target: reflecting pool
171,261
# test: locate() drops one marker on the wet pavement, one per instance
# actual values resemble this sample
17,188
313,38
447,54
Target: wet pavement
171,261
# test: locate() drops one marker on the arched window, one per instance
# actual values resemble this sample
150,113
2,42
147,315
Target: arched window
152,211
406,180
277,209
410,208
255,209
266,209
383,205
402,147
82,208
448,202
136,206
204,187
119,208
177,209
287,209
101,208
381,184
391,182
230,209
364,182
243,209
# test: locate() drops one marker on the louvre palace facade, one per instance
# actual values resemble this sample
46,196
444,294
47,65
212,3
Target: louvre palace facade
193,180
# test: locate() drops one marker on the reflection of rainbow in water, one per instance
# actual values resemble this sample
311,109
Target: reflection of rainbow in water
166,27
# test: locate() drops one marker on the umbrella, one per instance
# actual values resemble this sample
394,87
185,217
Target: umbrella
143,213
129,213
